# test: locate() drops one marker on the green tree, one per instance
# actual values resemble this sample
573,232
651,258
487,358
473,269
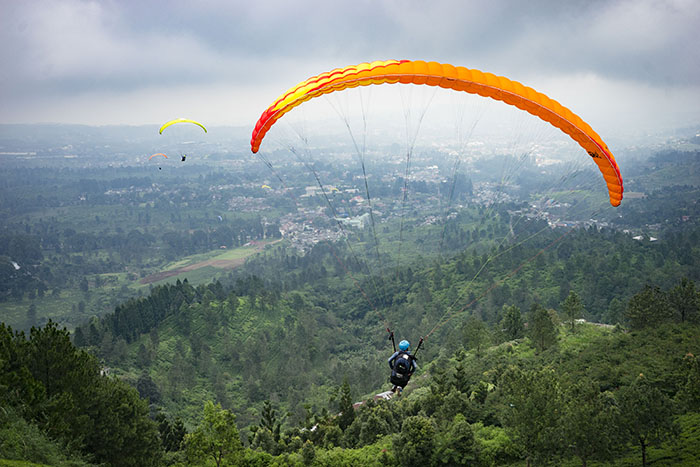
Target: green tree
215,438
615,312
372,428
266,435
541,327
31,316
308,452
647,414
56,363
262,439
143,357
685,301
476,334
347,412
456,446
416,442
513,322
590,422
532,407
121,432
573,308
689,394
18,388
270,421
155,338
61,389
21,439
373,421
147,388
650,307
171,432
79,338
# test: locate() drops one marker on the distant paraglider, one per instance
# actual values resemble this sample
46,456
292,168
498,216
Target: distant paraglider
180,120
157,154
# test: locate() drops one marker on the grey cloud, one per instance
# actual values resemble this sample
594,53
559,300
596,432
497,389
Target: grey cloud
53,48
138,43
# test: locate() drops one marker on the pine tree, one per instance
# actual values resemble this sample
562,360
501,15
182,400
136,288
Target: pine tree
685,300
347,411
476,334
513,326
541,327
269,420
650,307
572,307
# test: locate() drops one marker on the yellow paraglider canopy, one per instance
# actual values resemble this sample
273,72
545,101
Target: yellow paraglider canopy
180,120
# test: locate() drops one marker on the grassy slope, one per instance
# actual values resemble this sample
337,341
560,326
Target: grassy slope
116,288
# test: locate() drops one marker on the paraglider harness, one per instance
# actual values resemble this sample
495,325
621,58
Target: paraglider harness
402,367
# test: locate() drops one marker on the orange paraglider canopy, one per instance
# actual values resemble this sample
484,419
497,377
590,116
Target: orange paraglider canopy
456,78
157,154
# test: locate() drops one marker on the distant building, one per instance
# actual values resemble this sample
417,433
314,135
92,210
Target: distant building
311,191
358,222
315,190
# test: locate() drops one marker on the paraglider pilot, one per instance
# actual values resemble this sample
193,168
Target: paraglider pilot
183,157
402,365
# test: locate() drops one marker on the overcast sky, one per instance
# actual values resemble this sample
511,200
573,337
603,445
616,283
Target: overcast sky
618,64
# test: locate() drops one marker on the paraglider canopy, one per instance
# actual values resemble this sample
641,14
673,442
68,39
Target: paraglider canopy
180,120
456,78
157,154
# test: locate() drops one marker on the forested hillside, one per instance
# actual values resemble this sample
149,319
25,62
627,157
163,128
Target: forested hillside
555,389
76,241
542,343
271,333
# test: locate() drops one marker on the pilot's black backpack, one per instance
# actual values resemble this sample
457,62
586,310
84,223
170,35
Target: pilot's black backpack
402,365
402,369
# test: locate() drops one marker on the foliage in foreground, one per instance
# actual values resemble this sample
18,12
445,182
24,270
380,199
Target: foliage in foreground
59,397
501,405
506,406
